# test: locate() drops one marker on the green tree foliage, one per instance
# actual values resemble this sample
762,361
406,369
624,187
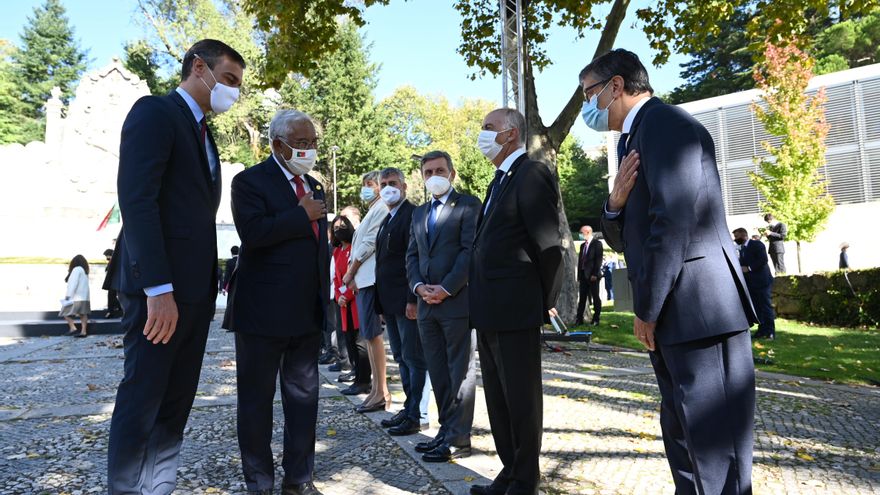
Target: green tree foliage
338,94
142,59
583,182
848,44
176,25
15,126
790,180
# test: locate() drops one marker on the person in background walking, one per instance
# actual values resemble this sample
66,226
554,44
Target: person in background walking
76,302
114,310
231,263
588,274
775,234
843,264
753,261
607,273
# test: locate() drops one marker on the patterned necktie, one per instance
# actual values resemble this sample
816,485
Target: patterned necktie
300,192
496,182
432,218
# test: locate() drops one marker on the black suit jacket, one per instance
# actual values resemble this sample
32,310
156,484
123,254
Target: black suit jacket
591,265
684,270
168,203
230,268
516,264
392,241
281,286
754,256
776,236
446,258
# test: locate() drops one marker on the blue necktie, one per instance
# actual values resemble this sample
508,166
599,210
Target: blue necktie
432,218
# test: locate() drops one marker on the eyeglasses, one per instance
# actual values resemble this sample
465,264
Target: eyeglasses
587,94
303,144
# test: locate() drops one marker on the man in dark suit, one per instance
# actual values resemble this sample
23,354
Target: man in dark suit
515,277
229,268
397,304
691,304
165,264
437,268
759,280
776,233
277,302
589,271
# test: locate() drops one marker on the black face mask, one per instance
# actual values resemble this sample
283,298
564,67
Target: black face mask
343,234
740,241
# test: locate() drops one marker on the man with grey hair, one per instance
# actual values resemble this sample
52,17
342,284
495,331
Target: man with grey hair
515,278
437,269
278,297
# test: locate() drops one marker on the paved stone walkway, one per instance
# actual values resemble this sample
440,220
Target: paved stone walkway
601,434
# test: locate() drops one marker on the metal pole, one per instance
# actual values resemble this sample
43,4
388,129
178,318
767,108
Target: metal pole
333,150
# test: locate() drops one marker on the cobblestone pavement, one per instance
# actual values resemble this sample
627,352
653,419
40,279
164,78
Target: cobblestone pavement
601,433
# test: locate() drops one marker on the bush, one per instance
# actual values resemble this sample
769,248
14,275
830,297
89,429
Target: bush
827,299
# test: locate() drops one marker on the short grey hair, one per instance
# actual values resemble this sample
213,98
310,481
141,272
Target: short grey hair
283,122
433,155
513,119
372,176
388,172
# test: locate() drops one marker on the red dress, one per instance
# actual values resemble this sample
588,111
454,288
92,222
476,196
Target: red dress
340,265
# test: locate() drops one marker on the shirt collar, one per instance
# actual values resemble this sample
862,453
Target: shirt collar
286,172
443,199
631,116
393,211
508,162
191,103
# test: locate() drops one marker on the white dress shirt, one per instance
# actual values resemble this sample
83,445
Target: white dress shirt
627,126
290,176
436,212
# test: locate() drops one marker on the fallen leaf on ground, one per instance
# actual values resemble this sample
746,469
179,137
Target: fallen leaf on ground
92,387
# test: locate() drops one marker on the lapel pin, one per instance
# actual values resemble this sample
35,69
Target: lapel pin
318,187
510,173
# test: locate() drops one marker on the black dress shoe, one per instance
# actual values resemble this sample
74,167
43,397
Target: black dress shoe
492,489
328,358
445,453
423,447
307,488
406,427
355,389
346,377
339,366
395,420
378,406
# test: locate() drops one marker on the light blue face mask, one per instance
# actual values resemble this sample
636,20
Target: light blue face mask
596,118
368,194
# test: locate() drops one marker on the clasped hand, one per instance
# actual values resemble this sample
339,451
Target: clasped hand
432,294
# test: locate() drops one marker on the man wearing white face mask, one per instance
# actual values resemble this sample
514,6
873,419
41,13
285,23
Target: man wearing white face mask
515,278
437,269
278,298
164,268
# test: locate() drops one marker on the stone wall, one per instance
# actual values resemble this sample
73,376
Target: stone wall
828,299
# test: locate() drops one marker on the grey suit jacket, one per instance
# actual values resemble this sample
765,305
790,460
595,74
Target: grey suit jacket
445,259
684,271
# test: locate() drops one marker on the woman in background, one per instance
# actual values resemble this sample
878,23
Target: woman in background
76,302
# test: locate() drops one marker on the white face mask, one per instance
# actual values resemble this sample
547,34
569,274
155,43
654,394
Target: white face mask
488,146
390,195
301,161
222,96
438,185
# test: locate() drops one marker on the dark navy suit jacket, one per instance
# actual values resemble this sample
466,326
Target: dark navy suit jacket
392,240
445,258
516,264
281,286
682,265
754,256
168,203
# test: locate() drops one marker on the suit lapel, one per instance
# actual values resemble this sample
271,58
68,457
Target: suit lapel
505,184
280,182
654,101
444,214
197,134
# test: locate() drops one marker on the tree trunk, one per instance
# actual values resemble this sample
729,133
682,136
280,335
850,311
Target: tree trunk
543,143
799,257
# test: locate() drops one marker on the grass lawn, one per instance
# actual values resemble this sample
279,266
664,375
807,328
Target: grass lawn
842,355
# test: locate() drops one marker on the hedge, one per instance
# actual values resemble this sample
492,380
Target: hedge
827,299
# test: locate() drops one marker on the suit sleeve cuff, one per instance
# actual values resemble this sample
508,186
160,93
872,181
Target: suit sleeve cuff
446,291
416,287
611,215
158,290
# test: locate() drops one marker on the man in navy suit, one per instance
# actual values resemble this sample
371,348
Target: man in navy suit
437,268
753,259
165,264
278,298
692,307
589,271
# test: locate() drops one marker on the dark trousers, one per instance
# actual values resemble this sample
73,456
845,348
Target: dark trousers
589,291
452,368
113,306
357,351
406,347
707,413
154,398
778,263
511,366
609,287
259,359
762,298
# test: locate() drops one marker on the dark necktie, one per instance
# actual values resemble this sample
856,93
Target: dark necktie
300,192
496,183
203,127
432,218
621,148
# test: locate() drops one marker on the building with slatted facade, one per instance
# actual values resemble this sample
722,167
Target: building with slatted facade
852,169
